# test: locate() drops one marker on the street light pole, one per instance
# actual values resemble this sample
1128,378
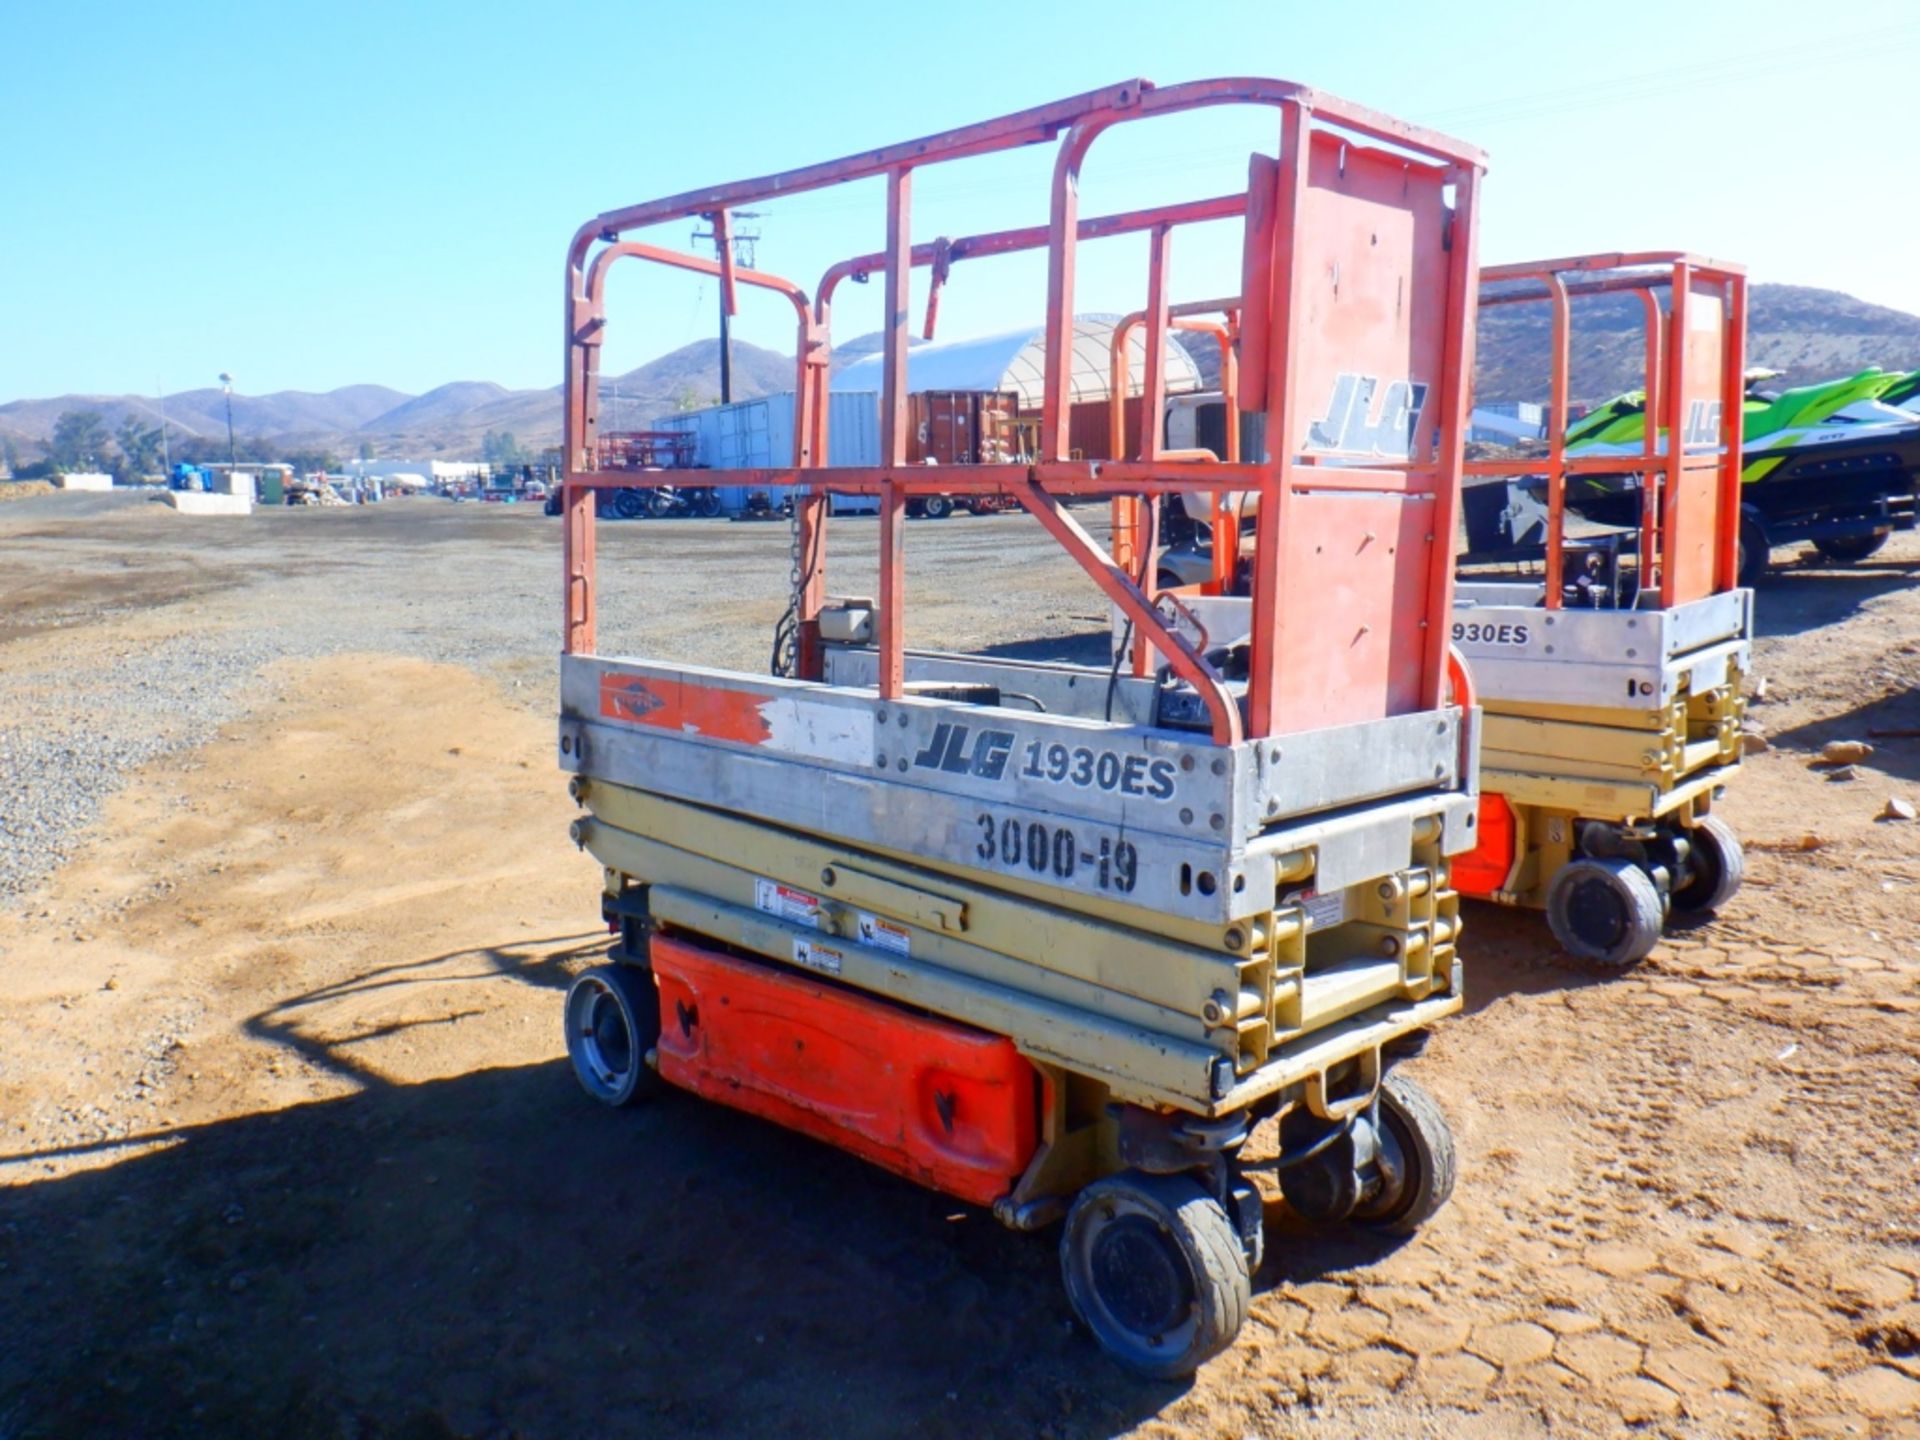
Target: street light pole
226,381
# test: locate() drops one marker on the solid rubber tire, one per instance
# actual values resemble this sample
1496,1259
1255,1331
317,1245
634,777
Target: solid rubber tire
1724,867
1642,912
1200,1242
1425,1141
1850,548
630,989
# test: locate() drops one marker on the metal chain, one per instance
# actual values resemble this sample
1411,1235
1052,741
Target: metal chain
786,654
793,551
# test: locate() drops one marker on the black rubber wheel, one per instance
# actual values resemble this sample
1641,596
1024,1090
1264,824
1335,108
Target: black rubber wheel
1607,911
1852,547
1752,555
1416,1152
660,504
1715,867
1155,1269
706,503
613,1020
937,507
629,504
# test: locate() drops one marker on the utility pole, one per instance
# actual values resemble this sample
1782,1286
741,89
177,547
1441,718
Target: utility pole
226,383
743,255
166,446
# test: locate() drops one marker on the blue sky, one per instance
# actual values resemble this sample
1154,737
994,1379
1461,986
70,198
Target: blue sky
312,195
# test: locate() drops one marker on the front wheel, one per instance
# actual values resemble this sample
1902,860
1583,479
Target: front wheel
613,1020
1715,867
1416,1159
1606,911
937,507
629,504
1848,548
706,503
1156,1270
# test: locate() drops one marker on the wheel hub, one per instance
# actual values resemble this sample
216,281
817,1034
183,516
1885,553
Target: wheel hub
1139,1277
608,1045
1596,914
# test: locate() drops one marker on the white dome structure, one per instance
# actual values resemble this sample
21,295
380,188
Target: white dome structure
1015,360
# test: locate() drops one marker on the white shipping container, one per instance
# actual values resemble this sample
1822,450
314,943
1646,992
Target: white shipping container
758,435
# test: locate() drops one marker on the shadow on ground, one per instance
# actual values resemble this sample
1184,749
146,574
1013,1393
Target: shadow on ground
1890,724
493,1255
1084,647
1806,594
1508,951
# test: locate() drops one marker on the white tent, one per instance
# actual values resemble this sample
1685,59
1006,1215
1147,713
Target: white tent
1014,361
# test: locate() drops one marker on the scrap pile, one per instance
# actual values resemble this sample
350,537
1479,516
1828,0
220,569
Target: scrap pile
312,490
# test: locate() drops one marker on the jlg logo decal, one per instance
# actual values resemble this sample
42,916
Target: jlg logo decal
948,751
1703,423
1350,428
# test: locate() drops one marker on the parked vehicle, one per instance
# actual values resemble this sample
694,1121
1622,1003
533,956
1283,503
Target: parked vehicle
1046,938
1833,464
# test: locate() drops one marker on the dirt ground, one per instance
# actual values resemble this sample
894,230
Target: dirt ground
289,1146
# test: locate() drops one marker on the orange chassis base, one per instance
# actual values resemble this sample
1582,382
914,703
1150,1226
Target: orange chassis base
948,1106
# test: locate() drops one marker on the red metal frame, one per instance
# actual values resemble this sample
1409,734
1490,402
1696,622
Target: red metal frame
1317,132
1187,316
1673,506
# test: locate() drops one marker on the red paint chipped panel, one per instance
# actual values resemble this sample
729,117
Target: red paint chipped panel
669,704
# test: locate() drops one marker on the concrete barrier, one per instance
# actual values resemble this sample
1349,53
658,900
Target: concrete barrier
198,502
85,480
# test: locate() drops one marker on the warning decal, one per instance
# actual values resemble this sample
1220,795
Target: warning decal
784,902
884,934
815,956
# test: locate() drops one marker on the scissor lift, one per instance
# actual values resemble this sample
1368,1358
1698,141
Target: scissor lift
1613,687
1053,938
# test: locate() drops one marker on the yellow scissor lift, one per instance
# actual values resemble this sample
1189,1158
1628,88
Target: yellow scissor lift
1055,938
1613,687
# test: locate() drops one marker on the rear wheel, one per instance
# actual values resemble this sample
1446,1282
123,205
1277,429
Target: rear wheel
1416,1156
1848,548
628,504
1155,1269
706,502
613,1020
1715,867
937,507
1606,911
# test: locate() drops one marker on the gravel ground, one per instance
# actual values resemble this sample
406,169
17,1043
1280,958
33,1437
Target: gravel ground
289,1146
194,610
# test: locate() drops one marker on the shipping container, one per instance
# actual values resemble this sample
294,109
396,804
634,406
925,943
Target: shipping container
758,434
961,427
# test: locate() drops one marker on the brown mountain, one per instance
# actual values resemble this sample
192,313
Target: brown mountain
1810,334
447,421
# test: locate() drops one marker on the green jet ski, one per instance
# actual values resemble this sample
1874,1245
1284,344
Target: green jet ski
1833,463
